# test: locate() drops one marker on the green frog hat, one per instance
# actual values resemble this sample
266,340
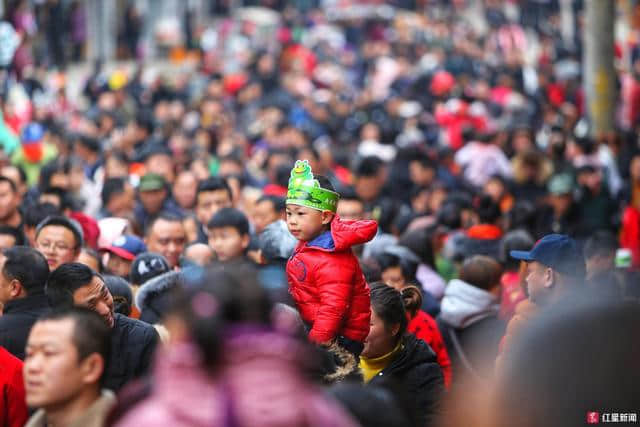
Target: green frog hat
305,190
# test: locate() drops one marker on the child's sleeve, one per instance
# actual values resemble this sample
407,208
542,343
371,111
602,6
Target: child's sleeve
334,281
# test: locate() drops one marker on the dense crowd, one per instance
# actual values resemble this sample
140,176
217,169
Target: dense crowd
400,218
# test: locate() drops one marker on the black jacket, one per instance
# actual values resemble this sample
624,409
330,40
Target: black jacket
17,320
132,345
415,377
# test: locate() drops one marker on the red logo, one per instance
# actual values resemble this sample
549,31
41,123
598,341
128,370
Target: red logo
593,418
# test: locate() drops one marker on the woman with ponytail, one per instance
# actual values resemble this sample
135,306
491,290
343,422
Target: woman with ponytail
398,361
424,327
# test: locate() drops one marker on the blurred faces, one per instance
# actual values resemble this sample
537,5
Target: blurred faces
58,245
421,175
119,266
9,289
393,277
184,190
210,202
227,242
305,223
168,239
381,339
153,200
200,254
122,204
162,164
9,201
368,187
264,214
54,376
89,260
95,296
7,241
350,209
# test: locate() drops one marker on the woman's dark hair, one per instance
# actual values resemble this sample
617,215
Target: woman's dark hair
517,240
389,306
214,301
412,298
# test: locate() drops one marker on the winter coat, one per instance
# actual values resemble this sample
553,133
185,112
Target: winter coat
13,408
18,318
94,416
132,345
425,328
471,329
153,299
415,377
482,239
259,383
327,284
630,233
525,311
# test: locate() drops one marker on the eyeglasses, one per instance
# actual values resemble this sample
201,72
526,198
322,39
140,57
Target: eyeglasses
57,246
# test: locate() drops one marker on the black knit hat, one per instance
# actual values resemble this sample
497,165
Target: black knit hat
147,265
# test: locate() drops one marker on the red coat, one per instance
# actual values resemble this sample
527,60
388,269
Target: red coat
424,327
13,407
327,284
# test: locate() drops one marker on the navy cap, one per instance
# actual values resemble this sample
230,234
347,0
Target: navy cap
127,247
557,251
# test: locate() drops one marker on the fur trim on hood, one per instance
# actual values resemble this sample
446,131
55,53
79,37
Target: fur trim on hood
156,286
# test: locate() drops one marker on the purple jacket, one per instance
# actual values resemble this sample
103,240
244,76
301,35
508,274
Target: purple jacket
260,383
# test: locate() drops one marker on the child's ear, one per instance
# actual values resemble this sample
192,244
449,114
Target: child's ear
245,241
327,217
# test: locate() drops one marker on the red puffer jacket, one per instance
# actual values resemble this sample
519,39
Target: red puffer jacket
327,284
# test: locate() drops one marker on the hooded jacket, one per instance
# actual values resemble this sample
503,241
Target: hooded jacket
415,377
471,328
327,284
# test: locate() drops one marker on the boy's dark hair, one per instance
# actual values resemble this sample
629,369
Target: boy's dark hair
65,222
12,185
91,334
325,183
481,271
21,172
369,166
65,280
112,187
230,217
389,306
164,216
349,193
278,203
602,243
214,183
38,213
408,267
422,158
28,266
7,230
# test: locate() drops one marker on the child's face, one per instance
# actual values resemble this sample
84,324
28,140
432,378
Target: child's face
227,242
393,277
305,223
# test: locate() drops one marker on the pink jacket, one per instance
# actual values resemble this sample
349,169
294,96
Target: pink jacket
260,383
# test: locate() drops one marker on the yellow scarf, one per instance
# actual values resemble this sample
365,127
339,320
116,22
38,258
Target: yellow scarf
372,367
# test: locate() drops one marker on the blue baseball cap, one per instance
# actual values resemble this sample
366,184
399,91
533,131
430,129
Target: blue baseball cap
127,247
557,251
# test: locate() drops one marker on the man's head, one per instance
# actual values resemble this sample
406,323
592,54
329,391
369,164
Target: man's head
10,237
554,264
66,356
369,178
228,234
23,272
213,194
268,209
152,192
160,162
483,272
589,177
397,272
199,254
350,207
422,170
560,188
57,197
75,284
122,252
59,239
17,175
166,235
34,216
118,197
600,252
10,199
